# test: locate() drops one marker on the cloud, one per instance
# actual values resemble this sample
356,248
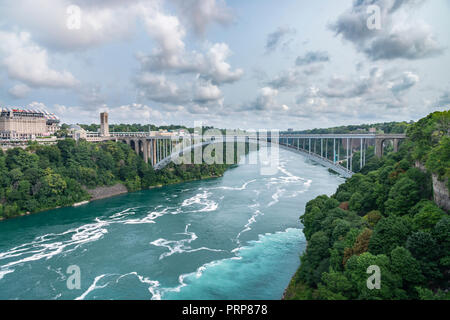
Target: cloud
408,44
378,84
202,13
289,79
158,88
362,97
207,92
216,66
266,99
19,91
400,36
407,81
171,54
298,75
27,62
311,102
275,39
128,113
312,57
265,102
101,21
444,100
91,95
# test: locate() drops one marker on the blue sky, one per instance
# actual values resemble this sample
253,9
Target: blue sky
235,64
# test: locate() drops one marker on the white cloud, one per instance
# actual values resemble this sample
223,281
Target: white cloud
207,92
266,99
157,87
27,62
276,38
19,91
217,68
398,37
201,13
101,21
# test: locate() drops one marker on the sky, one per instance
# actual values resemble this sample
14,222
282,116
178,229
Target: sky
249,64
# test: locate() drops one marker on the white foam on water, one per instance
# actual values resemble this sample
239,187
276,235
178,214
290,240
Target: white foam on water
276,196
93,287
180,246
50,245
189,278
243,187
126,212
250,221
202,200
5,272
152,216
153,284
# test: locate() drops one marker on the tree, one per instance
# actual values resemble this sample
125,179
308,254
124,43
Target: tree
428,214
314,262
338,284
404,264
424,248
373,217
403,195
439,159
388,234
356,271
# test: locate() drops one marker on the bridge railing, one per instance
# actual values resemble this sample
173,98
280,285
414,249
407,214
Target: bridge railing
322,160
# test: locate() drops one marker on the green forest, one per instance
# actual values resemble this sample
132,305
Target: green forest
46,177
386,127
383,216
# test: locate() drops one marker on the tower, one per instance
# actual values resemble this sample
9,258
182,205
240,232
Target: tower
104,126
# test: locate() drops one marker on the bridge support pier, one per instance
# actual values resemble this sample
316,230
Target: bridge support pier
379,148
334,151
146,151
347,148
396,141
136,146
154,150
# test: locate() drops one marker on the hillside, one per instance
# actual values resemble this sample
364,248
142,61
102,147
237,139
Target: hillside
45,177
383,216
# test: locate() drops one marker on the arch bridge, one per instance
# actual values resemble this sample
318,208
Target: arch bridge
335,151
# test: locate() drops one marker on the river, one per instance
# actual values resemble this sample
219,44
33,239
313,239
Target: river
234,237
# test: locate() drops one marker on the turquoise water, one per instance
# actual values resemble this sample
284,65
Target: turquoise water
235,237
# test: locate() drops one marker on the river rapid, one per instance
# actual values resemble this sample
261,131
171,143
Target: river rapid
234,237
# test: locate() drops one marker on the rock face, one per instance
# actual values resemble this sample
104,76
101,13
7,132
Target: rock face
440,193
106,192
440,190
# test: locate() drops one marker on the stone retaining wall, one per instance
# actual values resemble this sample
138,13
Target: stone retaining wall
440,193
106,192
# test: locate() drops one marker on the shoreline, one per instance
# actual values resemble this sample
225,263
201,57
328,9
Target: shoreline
107,196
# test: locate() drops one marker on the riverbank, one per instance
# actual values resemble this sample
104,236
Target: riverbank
118,189
106,192
42,178
233,230
394,214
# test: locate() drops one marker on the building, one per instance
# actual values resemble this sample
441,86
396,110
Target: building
104,125
16,123
77,132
